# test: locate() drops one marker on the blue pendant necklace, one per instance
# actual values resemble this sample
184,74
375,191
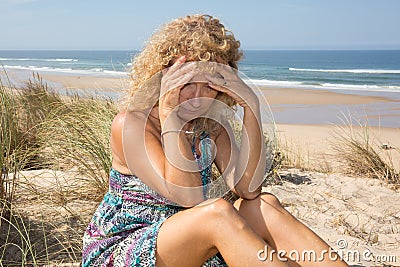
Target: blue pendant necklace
204,160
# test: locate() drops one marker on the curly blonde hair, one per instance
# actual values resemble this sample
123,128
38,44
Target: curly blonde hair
198,37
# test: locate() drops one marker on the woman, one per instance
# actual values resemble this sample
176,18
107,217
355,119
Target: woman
170,131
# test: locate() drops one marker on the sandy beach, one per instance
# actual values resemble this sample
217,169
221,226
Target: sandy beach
305,106
350,213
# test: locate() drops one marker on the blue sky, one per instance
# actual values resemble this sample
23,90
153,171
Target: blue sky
126,24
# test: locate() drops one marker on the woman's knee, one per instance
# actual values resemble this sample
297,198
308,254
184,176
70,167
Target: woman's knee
219,207
271,200
265,204
266,200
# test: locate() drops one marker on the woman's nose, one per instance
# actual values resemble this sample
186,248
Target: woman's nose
196,100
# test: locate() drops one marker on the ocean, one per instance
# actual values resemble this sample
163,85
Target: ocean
364,73
374,71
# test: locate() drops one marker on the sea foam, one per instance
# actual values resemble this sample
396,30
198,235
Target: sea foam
95,71
369,71
322,86
41,59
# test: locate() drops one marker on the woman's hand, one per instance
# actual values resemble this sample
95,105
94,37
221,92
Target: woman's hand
225,79
174,78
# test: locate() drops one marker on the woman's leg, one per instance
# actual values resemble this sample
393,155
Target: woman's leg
278,227
190,237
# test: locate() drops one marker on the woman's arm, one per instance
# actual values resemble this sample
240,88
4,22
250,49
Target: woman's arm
245,169
242,167
251,161
164,162
180,167
143,153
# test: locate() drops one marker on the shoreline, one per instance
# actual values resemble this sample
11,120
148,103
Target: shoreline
288,105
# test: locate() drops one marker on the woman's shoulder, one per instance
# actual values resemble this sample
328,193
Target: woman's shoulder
124,124
126,120
127,116
128,123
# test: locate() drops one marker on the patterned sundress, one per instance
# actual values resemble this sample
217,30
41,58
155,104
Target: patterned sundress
124,228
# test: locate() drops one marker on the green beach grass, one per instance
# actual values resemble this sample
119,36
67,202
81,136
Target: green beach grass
41,130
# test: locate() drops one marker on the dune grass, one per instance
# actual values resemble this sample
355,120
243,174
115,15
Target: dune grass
76,137
10,147
361,153
42,130
290,155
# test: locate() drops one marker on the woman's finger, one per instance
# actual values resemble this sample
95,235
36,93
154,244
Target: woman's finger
222,89
170,99
225,70
175,65
175,84
179,78
176,73
172,94
178,62
216,80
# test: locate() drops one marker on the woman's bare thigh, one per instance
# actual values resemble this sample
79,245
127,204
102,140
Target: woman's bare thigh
190,237
184,239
